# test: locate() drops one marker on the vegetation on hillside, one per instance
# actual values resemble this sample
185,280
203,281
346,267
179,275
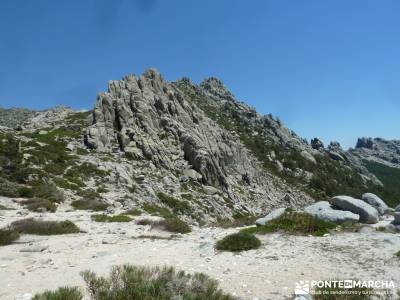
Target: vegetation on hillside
390,177
330,177
7,236
294,223
132,282
38,227
241,241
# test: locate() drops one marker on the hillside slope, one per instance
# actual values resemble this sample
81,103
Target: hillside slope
178,150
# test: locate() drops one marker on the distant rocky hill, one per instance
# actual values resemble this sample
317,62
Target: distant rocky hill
182,149
13,117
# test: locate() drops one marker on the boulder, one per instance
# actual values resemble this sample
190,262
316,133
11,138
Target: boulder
368,214
324,211
317,144
210,190
396,221
397,208
275,214
376,202
192,174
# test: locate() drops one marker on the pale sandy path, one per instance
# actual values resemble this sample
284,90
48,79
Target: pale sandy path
267,273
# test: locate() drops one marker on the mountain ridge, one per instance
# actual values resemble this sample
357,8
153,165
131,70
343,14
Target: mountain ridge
209,154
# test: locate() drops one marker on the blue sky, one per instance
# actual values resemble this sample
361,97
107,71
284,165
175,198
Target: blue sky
327,68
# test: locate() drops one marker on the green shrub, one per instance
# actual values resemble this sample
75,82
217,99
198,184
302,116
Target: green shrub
63,293
9,189
397,254
94,205
157,210
176,205
105,218
132,282
240,241
47,191
133,212
295,223
176,225
39,205
7,236
32,226
171,224
390,177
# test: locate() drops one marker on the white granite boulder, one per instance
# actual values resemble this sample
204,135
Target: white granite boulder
324,211
376,202
368,214
275,214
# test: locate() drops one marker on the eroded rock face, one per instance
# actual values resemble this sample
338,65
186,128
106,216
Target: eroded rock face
386,152
317,144
324,211
368,214
150,115
148,118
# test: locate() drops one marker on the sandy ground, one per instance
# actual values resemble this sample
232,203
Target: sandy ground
267,273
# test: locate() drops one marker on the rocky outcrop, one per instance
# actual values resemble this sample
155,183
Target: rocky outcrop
397,208
368,214
275,214
324,211
396,220
376,202
378,150
317,144
14,117
147,118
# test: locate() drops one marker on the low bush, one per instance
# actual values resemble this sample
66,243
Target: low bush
176,225
7,236
240,241
94,205
132,282
172,225
47,191
32,226
63,293
176,205
105,218
294,223
133,212
8,188
157,210
39,205
397,254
